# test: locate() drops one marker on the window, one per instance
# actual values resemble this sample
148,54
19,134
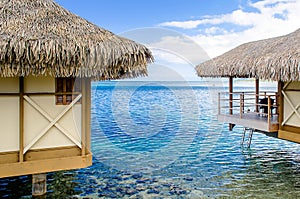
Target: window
67,89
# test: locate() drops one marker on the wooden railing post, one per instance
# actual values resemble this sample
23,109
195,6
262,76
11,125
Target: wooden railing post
256,95
276,103
269,110
243,100
219,105
230,95
231,101
241,105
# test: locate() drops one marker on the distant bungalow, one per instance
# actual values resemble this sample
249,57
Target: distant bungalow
276,59
48,57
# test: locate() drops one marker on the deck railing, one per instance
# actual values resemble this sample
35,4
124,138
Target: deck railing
264,104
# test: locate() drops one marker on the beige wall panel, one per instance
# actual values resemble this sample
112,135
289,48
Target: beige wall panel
72,120
294,97
35,123
53,138
9,85
9,124
293,85
39,84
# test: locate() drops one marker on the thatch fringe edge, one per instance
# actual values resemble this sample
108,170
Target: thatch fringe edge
107,60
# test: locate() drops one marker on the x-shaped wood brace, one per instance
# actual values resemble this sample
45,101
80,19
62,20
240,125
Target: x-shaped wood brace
295,109
53,122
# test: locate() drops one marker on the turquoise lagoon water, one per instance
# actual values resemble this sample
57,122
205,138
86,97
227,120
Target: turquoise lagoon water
162,140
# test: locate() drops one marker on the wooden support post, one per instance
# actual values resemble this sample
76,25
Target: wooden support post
280,103
230,95
88,114
21,119
276,103
256,95
231,101
83,116
39,184
269,111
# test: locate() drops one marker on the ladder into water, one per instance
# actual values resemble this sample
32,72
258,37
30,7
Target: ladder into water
249,138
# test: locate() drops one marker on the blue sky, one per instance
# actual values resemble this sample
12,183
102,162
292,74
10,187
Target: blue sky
119,16
183,33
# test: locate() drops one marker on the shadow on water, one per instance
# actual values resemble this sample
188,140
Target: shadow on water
15,187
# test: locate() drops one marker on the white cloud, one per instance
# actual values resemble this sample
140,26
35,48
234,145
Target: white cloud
175,53
214,30
221,33
175,58
184,24
178,49
237,17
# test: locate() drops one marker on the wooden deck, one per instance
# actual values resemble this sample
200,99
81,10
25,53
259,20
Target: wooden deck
252,120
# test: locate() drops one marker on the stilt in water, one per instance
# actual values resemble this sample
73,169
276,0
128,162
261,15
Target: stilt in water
39,184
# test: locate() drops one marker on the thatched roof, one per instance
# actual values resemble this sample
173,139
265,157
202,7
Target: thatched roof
270,59
40,38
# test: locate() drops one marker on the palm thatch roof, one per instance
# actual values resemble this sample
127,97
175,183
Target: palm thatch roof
41,38
274,59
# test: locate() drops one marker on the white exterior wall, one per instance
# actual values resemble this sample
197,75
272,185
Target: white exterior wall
9,115
294,98
35,122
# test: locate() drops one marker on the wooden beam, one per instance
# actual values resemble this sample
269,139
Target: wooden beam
250,122
83,116
290,136
290,128
88,114
230,101
219,103
21,119
269,110
230,94
241,105
49,153
64,90
40,154
44,166
280,103
256,95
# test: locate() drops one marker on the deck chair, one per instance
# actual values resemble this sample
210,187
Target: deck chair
264,105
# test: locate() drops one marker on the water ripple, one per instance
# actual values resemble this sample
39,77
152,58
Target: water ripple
166,142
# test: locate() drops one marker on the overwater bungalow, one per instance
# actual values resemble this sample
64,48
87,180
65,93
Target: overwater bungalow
48,58
276,59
